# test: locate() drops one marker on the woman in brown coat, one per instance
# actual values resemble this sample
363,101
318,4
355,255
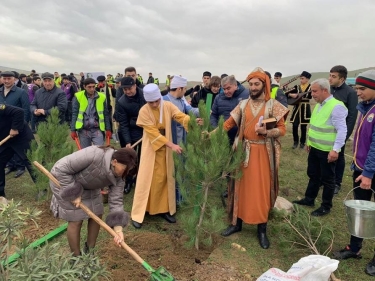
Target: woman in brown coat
82,175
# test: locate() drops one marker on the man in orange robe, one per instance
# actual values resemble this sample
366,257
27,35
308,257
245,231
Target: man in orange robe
155,187
252,197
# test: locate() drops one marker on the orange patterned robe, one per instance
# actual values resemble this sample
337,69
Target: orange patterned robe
252,196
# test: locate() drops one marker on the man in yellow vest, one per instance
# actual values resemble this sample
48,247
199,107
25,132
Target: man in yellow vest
90,117
276,92
326,137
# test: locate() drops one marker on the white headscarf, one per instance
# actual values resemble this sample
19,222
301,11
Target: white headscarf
152,93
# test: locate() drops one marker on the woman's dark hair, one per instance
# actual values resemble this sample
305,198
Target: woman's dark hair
126,156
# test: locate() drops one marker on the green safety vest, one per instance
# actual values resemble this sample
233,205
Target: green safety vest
140,79
320,135
156,81
83,104
168,82
274,92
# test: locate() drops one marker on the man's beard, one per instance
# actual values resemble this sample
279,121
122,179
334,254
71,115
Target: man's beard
257,94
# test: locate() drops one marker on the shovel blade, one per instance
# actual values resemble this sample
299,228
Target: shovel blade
161,274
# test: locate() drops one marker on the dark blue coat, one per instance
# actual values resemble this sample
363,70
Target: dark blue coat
17,97
223,106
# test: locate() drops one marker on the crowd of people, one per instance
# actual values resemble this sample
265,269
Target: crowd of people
150,124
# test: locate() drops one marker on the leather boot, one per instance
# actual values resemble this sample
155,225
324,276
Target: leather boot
295,145
262,236
233,228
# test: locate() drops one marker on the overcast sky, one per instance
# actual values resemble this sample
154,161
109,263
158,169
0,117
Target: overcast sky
187,37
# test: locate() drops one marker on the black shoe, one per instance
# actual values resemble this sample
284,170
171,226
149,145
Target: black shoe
370,268
337,189
225,194
295,145
136,224
346,253
168,218
230,230
19,173
127,188
304,202
9,170
321,211
262,236
302,145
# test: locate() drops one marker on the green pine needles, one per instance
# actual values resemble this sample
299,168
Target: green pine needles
50,146
46,263
202,173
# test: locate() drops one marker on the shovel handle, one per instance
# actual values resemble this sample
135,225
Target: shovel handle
136,143
92,215
5,140
78,144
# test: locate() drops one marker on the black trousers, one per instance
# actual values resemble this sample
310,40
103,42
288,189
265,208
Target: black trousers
360,194
5,156
16,163
340,167
296,124
320,172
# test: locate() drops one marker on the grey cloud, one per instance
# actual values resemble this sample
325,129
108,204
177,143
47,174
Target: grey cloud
187,37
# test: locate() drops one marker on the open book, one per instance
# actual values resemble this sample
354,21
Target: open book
270,123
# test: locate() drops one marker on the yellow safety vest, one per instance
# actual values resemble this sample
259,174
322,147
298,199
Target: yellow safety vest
320,135
274,92
83,104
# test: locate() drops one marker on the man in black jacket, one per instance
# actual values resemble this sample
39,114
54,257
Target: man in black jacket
12,123
127,109
343,92
129,72
46,98
10,94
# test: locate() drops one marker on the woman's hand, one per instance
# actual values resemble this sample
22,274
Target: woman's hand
77,201
120,236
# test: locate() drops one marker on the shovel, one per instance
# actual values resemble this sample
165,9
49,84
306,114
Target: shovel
161,274
5,140
78,143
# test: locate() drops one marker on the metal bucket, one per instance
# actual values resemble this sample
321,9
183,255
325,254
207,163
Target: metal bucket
360,216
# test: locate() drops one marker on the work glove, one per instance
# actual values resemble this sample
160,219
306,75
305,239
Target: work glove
74,135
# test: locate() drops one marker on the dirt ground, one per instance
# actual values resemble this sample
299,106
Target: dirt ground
164,248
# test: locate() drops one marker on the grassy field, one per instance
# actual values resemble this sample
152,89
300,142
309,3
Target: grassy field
252,263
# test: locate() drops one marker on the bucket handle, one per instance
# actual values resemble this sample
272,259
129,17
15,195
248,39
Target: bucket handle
346,197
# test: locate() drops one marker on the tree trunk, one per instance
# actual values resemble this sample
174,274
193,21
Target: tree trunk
203,209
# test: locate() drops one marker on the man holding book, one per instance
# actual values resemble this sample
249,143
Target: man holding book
253,196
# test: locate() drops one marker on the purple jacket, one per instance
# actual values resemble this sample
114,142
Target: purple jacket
364,140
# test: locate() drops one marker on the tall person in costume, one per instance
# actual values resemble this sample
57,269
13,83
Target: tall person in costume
302,111
155,188
253,196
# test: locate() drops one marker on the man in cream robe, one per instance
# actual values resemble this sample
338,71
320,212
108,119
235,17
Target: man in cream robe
155,187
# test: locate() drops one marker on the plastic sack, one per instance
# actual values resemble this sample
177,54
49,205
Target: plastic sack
310,268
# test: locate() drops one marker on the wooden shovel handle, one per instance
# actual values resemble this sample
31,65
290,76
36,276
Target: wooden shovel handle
91,214
5,140
136,143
